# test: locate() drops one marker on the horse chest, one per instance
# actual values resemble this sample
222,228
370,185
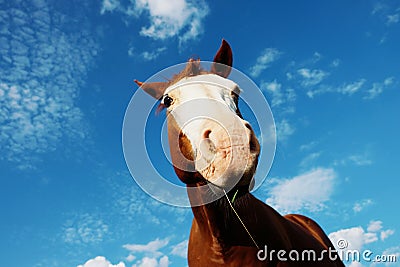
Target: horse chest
204,251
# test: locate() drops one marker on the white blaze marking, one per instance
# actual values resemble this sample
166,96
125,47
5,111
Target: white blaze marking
205,102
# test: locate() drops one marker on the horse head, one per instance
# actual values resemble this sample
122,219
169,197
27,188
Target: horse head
210,143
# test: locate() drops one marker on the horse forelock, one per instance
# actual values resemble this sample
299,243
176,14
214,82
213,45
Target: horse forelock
192,68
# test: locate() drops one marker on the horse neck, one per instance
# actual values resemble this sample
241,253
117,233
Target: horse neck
218,223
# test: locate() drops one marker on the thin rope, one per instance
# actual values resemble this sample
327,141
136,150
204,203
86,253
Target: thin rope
237,215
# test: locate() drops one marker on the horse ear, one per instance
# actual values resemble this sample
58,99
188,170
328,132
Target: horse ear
223,60
155,89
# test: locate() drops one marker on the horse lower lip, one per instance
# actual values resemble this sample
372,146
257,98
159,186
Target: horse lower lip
230,146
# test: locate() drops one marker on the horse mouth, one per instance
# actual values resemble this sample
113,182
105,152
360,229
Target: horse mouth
226,165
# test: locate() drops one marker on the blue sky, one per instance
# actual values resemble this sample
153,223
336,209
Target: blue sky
329,70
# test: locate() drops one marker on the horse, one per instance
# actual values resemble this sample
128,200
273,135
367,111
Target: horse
216,156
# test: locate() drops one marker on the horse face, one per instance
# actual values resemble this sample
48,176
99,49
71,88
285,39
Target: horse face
207,135
208,138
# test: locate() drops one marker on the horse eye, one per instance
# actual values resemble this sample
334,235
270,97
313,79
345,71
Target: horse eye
167,101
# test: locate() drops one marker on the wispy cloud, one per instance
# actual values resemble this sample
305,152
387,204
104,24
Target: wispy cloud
335,63
386,233
181,249
267,56
378,88
84,229
361,205
109,6
129,201
309,159
374,226
44,64
283,130
363,159
393,19
307,191
280,96
151,55
349,88
308,146
311,77
389,15
378,7
146,55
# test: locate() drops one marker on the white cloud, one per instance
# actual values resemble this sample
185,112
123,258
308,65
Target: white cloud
376,227
311,77
182,18
167,19
268,56
152,248
355,264
147,262
42,68
284,130
308,191
152,262
181,249
152,256
355,237
378,88
84,229
360,205
130,258
164,261
101,261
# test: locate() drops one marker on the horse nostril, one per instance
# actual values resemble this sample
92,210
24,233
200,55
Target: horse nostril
248,126
253,143
206,134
